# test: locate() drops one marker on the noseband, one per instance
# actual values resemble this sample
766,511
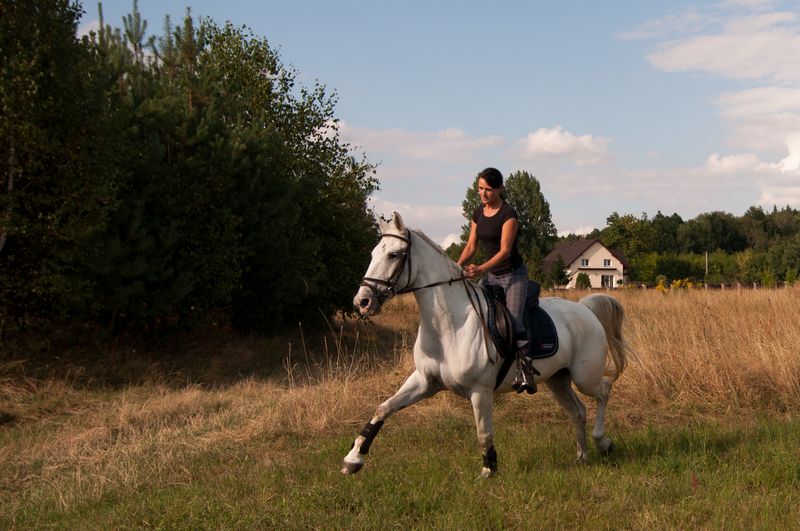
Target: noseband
391,283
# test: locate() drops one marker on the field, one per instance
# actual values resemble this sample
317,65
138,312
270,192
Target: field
247,432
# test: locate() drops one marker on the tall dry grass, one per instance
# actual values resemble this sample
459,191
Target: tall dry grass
709,352
714,350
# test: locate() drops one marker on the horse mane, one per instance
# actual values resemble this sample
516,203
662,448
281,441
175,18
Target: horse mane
435,246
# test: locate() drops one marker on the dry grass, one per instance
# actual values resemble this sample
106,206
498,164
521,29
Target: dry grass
713,350
68,438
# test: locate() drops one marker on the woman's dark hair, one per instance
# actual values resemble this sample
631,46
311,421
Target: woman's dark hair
492,176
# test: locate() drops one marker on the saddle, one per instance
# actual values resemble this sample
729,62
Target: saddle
539,327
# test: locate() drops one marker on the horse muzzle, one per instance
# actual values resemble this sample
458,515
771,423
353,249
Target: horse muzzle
366,302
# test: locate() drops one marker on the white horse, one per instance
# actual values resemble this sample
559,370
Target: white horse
451,351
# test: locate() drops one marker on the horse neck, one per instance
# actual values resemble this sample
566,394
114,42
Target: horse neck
441,304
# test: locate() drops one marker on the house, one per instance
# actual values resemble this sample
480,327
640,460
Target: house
605,267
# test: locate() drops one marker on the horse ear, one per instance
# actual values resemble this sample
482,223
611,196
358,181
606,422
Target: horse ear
398,221
384,225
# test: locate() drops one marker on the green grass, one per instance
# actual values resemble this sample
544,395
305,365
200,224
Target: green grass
705,474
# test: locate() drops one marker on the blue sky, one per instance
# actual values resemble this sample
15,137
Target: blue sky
627,106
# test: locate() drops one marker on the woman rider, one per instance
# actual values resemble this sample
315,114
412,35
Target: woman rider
494,225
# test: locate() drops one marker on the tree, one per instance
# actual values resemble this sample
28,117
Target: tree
557,276
536,234
712,231
753,227
629,233
239,188
664,233
198,184
58,157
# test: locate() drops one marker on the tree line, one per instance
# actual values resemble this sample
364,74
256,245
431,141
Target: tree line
185,179
761,246
715,248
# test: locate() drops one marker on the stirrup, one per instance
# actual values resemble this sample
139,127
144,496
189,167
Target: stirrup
524,377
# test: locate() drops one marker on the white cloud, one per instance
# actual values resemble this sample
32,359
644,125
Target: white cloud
759,101
438,145
735,40
580,231
450,239
689,20
757,55
583,150
716,164
761,118
780,196
791,164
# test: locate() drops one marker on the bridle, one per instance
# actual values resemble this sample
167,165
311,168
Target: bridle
383,289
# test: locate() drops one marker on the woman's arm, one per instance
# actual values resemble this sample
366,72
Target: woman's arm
469,248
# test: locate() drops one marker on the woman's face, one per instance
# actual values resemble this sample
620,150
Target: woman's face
488,195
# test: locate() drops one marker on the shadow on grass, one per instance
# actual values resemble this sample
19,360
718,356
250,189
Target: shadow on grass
209,358
673,444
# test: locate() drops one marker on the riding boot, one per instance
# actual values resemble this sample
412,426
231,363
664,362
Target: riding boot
525,371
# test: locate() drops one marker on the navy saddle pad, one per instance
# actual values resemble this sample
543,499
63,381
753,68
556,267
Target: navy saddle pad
539,325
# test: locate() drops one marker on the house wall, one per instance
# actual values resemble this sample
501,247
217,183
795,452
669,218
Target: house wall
596,254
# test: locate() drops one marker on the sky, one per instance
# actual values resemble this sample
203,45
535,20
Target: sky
618,106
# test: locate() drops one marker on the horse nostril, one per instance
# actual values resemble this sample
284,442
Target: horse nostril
364,302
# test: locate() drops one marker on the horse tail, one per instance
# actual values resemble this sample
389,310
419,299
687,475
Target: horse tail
611,315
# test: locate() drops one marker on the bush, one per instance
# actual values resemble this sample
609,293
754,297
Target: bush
582,281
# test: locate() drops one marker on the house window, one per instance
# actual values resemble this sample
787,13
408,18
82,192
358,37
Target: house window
607,281
584,262
606,263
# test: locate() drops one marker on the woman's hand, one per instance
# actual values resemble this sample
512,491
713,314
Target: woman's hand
472,271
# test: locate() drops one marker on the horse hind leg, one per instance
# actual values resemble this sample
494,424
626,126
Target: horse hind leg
599,389
560,384
604,443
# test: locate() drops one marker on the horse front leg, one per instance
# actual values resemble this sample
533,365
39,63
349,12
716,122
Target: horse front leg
483,407
415,388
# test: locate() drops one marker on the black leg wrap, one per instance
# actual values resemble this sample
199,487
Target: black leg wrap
369,432
490,459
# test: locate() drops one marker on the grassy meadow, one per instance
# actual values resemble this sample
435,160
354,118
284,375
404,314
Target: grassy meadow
217,430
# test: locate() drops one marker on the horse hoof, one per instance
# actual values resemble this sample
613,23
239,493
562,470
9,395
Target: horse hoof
349,468
487,472
605,452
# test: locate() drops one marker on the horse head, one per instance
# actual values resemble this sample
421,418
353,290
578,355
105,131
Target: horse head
390,259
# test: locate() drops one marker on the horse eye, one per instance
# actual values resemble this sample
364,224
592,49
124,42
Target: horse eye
394,256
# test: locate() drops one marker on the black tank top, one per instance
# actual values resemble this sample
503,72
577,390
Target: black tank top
490,231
